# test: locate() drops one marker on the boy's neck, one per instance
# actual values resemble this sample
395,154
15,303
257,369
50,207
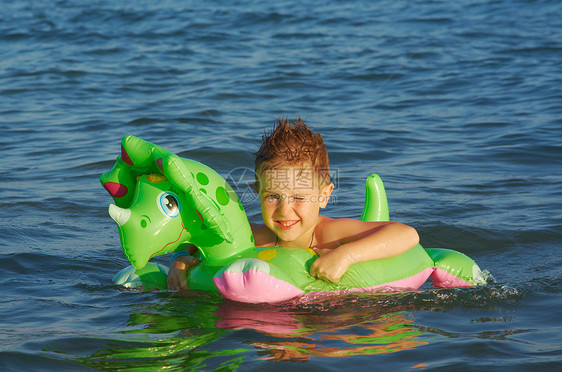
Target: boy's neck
278,243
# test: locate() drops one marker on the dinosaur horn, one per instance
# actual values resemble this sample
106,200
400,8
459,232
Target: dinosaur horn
119,215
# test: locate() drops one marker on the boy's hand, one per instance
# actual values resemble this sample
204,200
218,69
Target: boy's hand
330,265
177,275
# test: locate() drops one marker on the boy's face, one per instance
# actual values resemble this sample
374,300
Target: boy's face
291,198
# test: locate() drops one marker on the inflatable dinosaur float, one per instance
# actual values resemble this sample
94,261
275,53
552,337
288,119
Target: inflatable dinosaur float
164,202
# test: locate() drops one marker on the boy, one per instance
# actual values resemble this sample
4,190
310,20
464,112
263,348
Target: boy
292,181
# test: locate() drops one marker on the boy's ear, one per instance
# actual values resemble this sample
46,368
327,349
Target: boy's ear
256,187
325,193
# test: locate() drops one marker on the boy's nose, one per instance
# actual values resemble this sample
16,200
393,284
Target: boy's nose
284,203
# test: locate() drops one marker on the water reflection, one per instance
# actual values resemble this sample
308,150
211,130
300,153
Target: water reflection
192,330
334,328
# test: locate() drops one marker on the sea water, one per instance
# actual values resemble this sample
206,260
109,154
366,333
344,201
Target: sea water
456,105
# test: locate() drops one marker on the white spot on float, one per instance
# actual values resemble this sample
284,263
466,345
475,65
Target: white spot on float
247,264
127,278
478,276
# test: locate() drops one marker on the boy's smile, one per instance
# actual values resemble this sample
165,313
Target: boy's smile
286,225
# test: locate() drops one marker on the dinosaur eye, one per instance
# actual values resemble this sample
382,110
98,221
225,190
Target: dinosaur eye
169,204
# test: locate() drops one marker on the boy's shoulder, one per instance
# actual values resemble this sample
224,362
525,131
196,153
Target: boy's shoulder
324,221
343,229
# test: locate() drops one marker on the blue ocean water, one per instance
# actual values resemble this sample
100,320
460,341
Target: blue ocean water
456,105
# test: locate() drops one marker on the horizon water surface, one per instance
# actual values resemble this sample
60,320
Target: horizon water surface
457,106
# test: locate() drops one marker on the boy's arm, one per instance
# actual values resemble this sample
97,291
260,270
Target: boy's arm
361,241
177,275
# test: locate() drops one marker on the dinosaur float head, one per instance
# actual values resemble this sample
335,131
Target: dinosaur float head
155,223
164,202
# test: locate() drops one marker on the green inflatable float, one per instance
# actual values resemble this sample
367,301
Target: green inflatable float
164,202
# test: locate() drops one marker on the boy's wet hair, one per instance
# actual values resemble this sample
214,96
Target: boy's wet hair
293,143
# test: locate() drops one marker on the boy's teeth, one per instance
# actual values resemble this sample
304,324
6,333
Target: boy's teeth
284,223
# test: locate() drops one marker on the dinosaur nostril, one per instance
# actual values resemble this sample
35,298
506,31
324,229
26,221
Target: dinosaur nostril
144,221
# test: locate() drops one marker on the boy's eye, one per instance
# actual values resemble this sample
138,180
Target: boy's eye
272,197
